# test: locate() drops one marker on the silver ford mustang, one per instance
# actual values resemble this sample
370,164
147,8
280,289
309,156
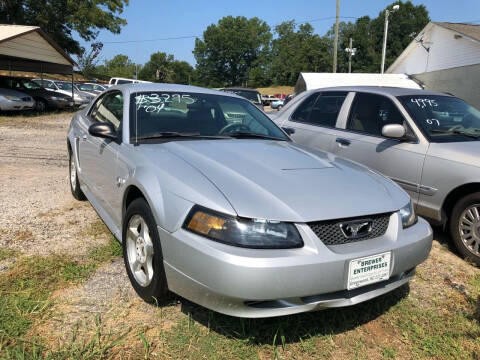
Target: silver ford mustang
212,201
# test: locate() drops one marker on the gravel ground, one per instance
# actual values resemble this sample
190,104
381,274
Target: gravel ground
39,216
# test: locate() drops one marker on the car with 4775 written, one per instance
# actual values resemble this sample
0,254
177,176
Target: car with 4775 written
228,212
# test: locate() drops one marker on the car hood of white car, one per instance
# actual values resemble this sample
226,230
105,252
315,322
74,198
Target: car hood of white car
280,180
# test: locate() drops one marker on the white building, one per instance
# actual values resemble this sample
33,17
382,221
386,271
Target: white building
444,57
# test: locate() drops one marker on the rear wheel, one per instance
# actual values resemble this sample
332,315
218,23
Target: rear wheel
465,227
142,252
40,105
74,183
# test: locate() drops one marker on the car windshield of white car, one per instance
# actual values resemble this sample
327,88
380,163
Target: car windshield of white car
444,118
170,115
64,85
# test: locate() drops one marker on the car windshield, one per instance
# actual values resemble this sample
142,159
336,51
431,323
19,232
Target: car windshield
63,85
444,118
30,84
85,87
253,96
157,114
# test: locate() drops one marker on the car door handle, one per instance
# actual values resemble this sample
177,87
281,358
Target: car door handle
343,141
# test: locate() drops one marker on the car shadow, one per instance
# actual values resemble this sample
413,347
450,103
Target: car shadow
294,328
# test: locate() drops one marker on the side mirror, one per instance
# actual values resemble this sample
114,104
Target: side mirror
289,130
395,131
103,130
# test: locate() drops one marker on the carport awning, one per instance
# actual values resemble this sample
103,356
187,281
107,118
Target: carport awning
29,49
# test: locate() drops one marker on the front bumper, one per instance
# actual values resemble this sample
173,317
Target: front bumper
16,105
263,283
60,104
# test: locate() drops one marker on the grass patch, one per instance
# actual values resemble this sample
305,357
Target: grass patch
96,229
26,288
106,252
272,90
6,253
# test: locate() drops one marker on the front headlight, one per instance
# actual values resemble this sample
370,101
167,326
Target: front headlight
249,233
54,98
408,215
12,98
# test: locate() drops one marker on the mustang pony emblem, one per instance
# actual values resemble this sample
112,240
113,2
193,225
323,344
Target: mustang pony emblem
356,229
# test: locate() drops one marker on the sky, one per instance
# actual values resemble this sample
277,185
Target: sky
159,19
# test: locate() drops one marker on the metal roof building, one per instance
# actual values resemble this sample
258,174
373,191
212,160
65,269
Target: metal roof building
29,49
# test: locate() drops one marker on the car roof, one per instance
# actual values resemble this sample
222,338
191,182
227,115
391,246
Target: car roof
145,87
383,90
240,88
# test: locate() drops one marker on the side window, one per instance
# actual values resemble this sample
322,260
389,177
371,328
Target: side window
370,112
303,111
326,109
109,108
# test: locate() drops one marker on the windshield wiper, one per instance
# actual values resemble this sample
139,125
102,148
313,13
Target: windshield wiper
173,134
241,134
455,132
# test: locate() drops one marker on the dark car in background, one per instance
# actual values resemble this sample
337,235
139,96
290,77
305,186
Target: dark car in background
249,94
44,99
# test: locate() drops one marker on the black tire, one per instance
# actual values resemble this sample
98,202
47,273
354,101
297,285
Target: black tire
73,179
41,105
157,289
468,252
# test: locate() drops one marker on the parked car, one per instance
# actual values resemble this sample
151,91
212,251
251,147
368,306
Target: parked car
120,81
92,89
65,87
277,104
428,142
268,99
44,99
231,214
12,100
250,94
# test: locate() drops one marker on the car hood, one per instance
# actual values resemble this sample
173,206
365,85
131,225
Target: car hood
466,152
279,180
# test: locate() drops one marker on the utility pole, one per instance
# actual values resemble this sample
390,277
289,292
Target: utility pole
335,43
385,33
351,52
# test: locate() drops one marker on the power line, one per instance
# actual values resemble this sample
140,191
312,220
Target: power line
200,36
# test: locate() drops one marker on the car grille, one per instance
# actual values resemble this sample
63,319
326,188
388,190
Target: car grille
330,233
27,98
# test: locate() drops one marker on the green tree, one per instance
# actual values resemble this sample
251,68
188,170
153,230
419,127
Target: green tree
367,36
182,72
60,18
231,49
87,60
119,66
158,68
295,51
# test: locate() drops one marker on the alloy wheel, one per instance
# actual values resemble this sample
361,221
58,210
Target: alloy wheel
469,227
73,173
139,250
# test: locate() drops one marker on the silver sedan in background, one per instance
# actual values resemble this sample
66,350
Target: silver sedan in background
12,100
228,212
428,142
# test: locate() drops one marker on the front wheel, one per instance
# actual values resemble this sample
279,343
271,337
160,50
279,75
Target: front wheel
465,227
142,252
74,183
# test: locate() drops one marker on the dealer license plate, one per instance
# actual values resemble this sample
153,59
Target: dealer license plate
368,270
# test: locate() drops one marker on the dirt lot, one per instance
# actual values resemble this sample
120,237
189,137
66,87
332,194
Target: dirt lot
64,292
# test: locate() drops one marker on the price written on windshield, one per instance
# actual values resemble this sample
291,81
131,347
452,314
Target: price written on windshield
156,102
423,103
